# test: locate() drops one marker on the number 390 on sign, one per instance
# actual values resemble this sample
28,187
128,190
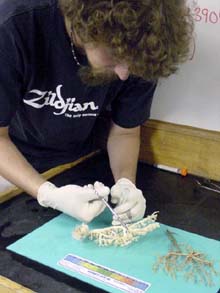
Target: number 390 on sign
206,15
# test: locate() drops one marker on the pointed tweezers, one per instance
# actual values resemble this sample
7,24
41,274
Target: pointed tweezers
209,186
117,217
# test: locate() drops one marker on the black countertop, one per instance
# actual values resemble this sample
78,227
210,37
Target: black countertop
181,203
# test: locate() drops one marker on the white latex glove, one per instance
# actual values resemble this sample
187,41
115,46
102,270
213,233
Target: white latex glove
79,202
131,204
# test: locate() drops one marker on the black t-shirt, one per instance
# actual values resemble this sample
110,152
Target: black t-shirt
50,113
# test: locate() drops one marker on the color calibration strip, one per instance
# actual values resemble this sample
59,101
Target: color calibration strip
103,274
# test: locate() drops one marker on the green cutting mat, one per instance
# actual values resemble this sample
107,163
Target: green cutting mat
53,241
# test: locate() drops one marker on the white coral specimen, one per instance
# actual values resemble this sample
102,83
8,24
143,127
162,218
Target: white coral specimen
118,235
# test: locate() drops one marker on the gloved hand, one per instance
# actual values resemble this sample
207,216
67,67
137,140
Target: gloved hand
131,204
79,202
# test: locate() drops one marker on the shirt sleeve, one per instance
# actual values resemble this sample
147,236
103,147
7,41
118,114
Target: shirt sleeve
10,80
131,107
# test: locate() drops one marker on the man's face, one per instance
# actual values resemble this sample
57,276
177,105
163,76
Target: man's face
103,68
101,60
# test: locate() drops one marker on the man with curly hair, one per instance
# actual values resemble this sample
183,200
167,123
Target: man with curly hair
62,63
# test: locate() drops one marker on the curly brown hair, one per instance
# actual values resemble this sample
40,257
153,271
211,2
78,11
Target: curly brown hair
152,36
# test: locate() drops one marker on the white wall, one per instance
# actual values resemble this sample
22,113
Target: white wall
192,96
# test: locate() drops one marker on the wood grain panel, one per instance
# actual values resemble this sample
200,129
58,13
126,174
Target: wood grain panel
180,146
8,286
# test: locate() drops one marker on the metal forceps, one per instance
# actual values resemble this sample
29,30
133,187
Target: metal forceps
111,210
209,185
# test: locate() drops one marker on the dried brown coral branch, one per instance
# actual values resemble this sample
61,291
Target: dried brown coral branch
118,235
182,258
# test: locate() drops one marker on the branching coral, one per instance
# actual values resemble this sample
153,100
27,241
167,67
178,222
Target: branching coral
183,258
118,235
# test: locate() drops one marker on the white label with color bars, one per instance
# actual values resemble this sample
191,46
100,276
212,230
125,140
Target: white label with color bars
103,274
